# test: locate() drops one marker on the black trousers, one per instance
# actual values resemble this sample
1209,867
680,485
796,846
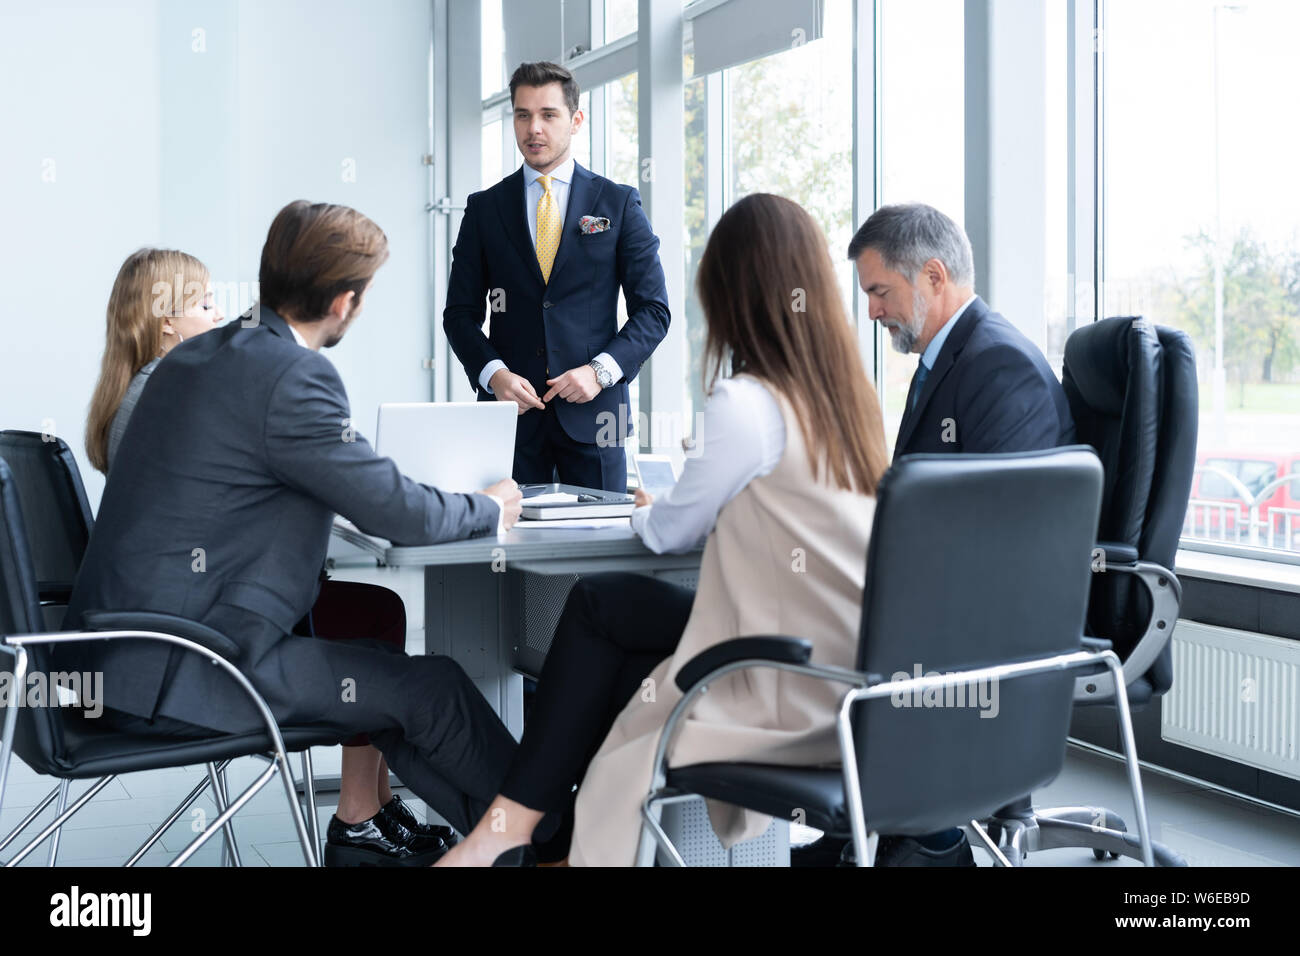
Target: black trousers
615,629
543,448
423,713
352,611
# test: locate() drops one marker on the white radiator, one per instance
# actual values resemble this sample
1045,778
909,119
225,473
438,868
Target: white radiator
1235,695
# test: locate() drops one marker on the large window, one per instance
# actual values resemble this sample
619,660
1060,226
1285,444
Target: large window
922,117
1203,234
783,124
1198,228
492,55
790,126
620,18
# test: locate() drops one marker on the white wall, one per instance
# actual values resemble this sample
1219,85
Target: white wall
79,190
188,124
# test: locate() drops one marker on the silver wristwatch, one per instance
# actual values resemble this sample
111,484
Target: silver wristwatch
603,375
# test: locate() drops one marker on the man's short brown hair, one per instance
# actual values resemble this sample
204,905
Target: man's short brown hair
543,74
314,252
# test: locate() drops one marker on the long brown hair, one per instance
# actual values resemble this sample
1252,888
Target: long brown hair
151,285
774,310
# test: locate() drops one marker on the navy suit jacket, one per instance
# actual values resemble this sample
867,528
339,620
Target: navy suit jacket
543,329
222,495
991,390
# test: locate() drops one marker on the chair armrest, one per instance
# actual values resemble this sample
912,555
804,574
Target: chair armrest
1166,595
1116,553
200,634
787,650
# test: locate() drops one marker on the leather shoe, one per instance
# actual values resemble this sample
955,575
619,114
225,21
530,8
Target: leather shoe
825,851
517,856
907,851
400,812
379,841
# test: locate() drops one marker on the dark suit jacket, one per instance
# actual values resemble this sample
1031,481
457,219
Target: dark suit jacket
221,498
568,321
991,390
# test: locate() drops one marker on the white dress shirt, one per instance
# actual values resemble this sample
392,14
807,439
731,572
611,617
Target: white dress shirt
501,505
741,437
931,353
561,178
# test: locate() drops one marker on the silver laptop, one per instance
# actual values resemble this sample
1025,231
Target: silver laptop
454,446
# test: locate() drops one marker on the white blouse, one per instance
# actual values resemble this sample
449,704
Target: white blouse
741,437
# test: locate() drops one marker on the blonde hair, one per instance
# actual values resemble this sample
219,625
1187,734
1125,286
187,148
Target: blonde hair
152,285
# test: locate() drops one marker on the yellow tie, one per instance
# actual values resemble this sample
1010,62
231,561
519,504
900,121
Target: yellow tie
548,228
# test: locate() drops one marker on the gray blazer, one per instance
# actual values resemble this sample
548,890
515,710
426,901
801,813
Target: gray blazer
117,427
231,469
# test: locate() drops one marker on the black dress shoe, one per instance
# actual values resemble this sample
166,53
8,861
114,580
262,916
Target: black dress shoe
826,851
400,812
379,841
517,856
907,851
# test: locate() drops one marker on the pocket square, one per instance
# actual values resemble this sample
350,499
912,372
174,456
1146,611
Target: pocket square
593,224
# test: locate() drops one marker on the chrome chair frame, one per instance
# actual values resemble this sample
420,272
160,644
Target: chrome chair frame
277,760
868,687
309,796
1095,827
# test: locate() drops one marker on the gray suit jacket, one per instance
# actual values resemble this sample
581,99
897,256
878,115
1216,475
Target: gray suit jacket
219,506
117,428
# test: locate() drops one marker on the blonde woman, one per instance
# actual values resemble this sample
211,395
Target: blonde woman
161,299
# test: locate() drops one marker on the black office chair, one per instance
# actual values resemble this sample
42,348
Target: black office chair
977,571
1132,391
58,519
69,746
56,512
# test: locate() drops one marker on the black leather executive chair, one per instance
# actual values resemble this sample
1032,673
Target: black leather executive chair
998,605
1132,391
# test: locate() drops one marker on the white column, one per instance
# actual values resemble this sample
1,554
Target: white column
1006,157
457,70
661,120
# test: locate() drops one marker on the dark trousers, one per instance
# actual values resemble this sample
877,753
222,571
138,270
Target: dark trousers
543,448
423,713
615,629
352,611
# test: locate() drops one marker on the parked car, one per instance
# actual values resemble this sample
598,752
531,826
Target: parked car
1226,486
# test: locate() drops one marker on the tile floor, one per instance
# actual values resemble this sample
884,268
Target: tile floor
1207,828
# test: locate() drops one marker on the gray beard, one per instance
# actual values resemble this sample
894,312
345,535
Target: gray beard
904,337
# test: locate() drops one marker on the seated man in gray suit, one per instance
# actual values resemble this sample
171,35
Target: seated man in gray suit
219,507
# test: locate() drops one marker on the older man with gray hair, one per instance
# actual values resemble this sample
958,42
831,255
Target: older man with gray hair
981,385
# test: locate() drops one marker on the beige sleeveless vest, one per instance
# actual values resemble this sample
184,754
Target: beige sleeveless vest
787,557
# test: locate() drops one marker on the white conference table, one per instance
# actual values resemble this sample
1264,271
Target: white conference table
492,603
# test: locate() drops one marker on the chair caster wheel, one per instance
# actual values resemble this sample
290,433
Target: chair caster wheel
1102,854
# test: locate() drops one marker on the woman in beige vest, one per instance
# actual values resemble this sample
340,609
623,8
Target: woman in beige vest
791,448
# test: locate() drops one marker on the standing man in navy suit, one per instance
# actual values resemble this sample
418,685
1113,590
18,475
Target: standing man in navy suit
546,250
